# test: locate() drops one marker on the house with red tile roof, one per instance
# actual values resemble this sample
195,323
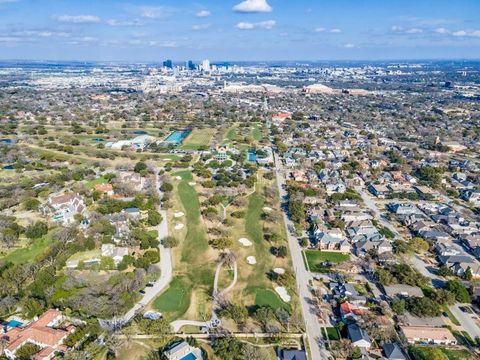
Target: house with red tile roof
44,332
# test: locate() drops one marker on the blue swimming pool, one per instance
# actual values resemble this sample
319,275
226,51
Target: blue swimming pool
139,132
252,155
6,141
14,324
8,167
177,136
189,357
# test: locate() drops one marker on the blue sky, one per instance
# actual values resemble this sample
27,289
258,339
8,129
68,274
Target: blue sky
148,30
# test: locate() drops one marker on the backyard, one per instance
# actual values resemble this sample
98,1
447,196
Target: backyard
315,258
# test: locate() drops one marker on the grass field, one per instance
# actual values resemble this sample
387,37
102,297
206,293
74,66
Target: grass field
440,353
197,138
256,133
269,298
315,258
91,184
176,299
194,272
27,254
232,134
332,333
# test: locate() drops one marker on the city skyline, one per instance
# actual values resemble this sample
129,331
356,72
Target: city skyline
235,30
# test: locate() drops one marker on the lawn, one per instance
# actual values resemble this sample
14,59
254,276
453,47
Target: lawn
269,298
232,134
441,353
197,138
91,184
315,258
176,299
195,240
27,254
332,333
256,133
194,272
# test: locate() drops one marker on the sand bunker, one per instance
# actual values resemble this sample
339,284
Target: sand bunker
178,177
179,227
279,271
192,183
282,292
178,214
245,242
251,260
267,209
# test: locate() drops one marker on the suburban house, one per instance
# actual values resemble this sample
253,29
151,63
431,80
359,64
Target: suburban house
106,189
379,191
182,351
328,242
44,332
358,336
114,252
393,351
64,207
348,310
293,355
429,335
472,196
402,290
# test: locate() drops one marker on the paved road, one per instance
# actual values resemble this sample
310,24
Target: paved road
165,265
369,203
468,323
312,326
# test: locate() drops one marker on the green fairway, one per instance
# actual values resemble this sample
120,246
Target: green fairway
27,254
176,299
256,133
269,298
185,175
232,134
198,138
195,240
254,231
315,258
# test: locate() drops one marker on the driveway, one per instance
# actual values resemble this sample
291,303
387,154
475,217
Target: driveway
468,323
165,266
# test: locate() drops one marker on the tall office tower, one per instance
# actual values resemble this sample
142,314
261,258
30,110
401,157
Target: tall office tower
168,64
206,65
190,65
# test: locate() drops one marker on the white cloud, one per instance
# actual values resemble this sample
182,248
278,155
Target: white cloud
466,33
78,19
155,12
89,39
203,13
413,31
115,22
409,31
253,6
268,24
325,30
201,26
442,31
348,46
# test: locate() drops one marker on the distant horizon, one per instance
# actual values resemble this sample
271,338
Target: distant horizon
214,61
149,30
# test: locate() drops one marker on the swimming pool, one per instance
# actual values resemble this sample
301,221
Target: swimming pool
14,324
189,357
177,136
252,156
8,167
